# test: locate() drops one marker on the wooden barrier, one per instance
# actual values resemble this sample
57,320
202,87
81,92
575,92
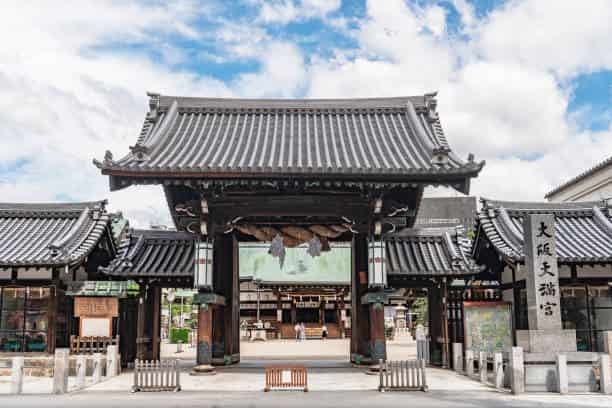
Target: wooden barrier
286,377
313,332
406,375
91,345
156,375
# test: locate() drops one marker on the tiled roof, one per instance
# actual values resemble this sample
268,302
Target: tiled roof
234,137
154,253
50,234
581,176
583,230
430,252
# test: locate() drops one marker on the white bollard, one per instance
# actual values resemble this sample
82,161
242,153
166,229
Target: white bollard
97,368
81,371
469,363
605,374
482,366
517,370
498,367
17,375
60,371
562,380
111,361
458,357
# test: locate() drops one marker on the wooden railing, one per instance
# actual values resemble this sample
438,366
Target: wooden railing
90,345
286,377
313,332
406,375
157,375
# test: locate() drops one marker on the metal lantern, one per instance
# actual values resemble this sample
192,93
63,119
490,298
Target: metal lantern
377,271
203,274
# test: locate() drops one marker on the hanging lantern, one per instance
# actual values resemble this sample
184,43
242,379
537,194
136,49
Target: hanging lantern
203,274
377,272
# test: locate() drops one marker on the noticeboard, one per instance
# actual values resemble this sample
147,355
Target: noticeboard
487,326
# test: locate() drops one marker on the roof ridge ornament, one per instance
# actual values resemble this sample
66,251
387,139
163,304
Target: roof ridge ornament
140,152
440,156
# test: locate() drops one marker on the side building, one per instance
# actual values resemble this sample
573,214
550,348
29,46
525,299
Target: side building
43,249
592,185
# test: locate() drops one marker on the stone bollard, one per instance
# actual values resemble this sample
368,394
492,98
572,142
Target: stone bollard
605,379
60,371
81,371
562,381
458,357
17,375
469,363
112,361
97,368
482,366
498,367
517,370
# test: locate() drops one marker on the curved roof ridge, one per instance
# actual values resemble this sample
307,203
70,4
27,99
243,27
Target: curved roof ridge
539,205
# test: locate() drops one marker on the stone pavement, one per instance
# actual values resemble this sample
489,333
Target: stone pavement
333,382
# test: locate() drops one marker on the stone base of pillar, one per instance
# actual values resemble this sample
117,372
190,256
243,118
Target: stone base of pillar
203,369
546,341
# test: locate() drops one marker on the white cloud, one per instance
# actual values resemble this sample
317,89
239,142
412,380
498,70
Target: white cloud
566,37
287,11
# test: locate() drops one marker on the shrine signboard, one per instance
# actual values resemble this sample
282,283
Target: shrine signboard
96,307
543,294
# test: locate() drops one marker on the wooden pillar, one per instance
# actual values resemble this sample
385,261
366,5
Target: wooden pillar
360,316
226,319
140,326
155,335
434,303
378,347
293,312
53,310
322,312
205,340
445,337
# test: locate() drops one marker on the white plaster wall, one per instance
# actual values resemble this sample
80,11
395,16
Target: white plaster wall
592,188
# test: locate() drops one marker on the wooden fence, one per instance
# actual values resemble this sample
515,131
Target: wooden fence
406,375
286,377
91,345
156,375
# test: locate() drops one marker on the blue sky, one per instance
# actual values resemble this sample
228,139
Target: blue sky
522,84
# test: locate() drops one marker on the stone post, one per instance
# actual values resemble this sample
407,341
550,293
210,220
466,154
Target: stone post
482,366
17,375
517,371
469,363
458,357
112,361
562,380
545,334
97,367
498,367
60,371
81,371
605,376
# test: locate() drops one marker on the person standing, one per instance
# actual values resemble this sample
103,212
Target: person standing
297,328
302,331
324,332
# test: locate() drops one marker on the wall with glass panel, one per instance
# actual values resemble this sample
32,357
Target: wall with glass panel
24,318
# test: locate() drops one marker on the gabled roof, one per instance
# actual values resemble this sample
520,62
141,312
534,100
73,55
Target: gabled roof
154,253
216,137
430,252
51,234
583,230
600,166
